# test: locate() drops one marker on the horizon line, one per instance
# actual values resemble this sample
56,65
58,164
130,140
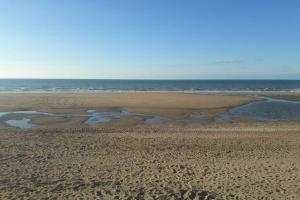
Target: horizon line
160,79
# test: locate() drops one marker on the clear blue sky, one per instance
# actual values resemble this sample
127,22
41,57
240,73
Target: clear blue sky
163,39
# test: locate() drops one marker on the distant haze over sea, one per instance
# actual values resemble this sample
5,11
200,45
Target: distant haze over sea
106,85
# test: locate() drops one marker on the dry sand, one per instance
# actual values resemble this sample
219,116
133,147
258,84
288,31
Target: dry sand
153,164
244,161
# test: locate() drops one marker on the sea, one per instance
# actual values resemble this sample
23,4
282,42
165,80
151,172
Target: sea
109,85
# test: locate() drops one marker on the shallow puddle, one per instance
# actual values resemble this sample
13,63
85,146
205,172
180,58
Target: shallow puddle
225,118
269,109
154,119
102,117
22,123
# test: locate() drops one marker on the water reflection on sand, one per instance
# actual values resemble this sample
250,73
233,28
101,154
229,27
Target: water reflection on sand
264,109
22,123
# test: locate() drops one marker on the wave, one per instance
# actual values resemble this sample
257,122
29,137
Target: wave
131,86
77,90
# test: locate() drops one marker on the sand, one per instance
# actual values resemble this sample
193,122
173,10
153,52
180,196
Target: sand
172,104
140,164
248,160
287,96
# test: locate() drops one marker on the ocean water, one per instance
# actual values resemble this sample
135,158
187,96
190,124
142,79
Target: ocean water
192,86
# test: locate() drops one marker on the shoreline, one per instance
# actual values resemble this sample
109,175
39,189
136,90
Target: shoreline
124,159
171,109
213,92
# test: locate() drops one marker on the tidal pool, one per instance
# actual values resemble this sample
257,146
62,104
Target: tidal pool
154,119
262,110
102,117
22,123
269,109
226,118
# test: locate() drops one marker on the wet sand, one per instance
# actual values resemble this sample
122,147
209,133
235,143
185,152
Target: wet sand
249,160
287,96
168,104
173,106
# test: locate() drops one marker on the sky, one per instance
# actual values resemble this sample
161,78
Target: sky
150,39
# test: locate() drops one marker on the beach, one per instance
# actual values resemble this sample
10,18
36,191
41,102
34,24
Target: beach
168,105
142,100
63,158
